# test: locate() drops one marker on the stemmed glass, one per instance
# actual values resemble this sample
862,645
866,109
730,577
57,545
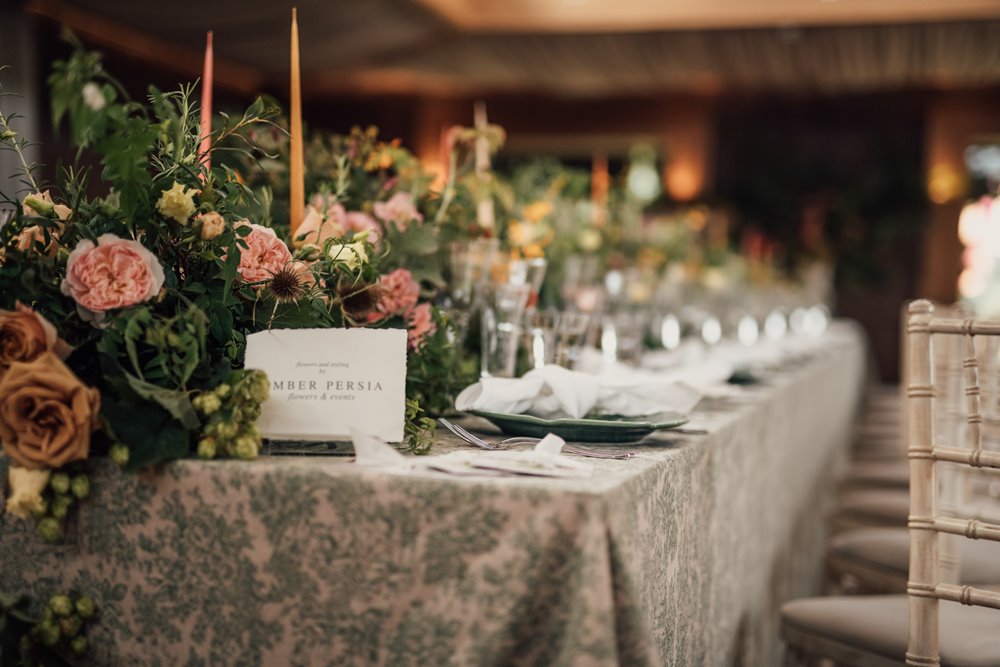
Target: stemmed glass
470,263
501,330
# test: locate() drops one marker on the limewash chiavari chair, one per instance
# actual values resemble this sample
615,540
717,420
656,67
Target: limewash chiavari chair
917,629
926,586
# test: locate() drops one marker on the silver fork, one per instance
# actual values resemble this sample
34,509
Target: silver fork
476,441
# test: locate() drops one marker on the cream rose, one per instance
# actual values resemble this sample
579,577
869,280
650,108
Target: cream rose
46,414
26,487
177,203
353,255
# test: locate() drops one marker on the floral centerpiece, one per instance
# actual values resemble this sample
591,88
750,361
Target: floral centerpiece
127,291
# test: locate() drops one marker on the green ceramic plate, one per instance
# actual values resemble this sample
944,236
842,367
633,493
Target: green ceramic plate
612,429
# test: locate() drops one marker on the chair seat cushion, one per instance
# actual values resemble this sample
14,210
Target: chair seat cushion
892,473
888,550
970,636
880,507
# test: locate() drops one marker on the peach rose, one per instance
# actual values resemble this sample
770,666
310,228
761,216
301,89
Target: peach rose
212,224
115,273
399,210
25,335
46,414
264,255
420,325
398,294
318,226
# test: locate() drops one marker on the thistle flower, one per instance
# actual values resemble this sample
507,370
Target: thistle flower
292,282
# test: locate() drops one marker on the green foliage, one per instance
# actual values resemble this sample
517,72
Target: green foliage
54,636
419,429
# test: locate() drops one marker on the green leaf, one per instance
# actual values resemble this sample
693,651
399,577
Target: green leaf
177,403
150,433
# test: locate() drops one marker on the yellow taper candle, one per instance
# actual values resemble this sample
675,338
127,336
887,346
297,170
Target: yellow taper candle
296,171
484,209
206,104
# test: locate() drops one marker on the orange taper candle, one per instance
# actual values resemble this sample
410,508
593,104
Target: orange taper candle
296,170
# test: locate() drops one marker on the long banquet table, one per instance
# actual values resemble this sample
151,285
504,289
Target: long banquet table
680,556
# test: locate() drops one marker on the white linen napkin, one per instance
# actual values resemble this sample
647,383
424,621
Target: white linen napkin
552,392
372,452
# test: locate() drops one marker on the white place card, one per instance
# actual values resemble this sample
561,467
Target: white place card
327,382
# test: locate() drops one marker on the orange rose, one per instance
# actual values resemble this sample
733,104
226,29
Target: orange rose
25,335
46,414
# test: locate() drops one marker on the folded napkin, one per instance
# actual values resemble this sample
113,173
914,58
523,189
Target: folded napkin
552,392
545,460
372,452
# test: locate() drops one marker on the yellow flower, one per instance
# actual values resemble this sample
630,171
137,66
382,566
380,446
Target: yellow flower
177,203
26,488
537,211
351,254
589,240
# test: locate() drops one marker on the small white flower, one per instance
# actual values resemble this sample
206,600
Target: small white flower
351,254
93,96
26,488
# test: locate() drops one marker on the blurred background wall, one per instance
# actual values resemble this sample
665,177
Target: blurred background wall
835,127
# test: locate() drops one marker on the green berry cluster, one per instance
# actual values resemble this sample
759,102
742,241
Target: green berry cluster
62,628
63,491
230,413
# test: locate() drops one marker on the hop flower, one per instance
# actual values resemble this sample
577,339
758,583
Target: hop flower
246,448
60,506
47,633
50,530
61,605
60,482
207,403
86,607
119,454
260,388
71,626
177,203
222,390
79,645
80,486
206,448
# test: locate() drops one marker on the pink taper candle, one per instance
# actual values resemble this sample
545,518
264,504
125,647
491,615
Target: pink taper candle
206,104
296,171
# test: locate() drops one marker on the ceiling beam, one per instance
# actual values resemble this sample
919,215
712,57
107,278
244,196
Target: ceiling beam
575,16
234,77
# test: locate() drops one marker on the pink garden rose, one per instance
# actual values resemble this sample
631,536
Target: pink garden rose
421,324
398,293
357,222
114,273
399,210
265,254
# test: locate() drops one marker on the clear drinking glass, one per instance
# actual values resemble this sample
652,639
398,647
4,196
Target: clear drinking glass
469,263
542,326
570,336
501,329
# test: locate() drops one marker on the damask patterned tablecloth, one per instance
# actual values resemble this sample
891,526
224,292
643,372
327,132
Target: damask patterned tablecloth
680,556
